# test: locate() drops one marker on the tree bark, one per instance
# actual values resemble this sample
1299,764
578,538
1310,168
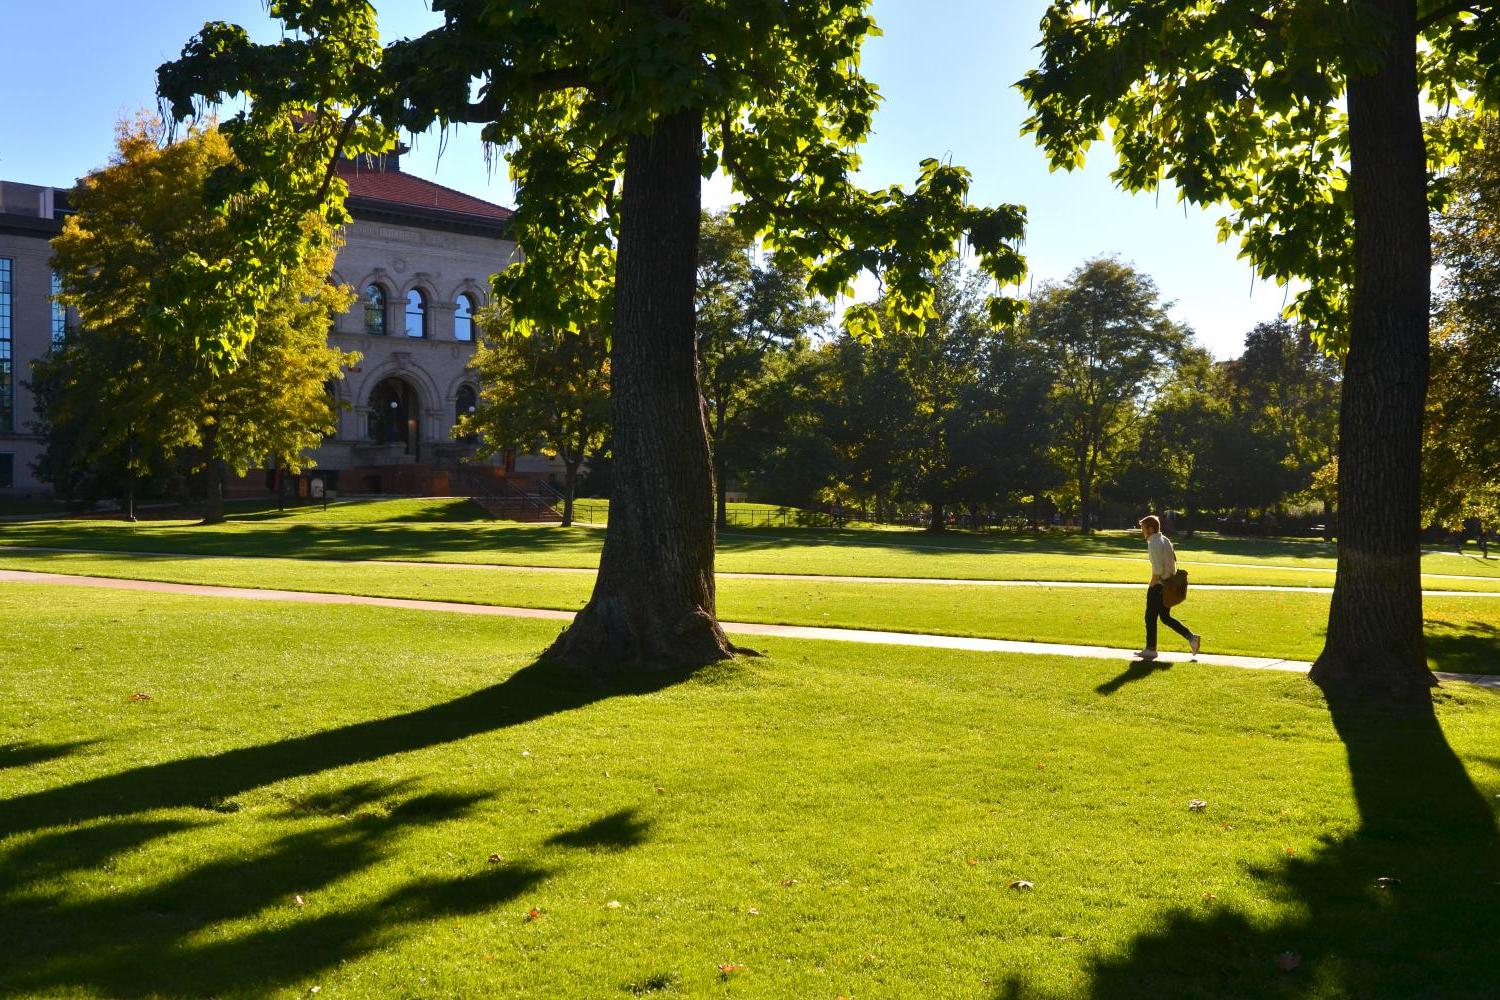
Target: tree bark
652,606
935,519
1375,647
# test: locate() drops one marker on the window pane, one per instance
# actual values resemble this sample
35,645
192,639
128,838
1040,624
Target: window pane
375,311
7,400
463,319
59,314
416,314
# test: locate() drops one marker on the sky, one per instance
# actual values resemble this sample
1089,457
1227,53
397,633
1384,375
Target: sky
69,69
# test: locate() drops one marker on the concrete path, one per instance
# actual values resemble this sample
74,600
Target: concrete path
800,577
922,640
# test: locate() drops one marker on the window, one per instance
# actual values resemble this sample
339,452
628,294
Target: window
59,314
375,310
465,406
7,397
7,472
416,313
463,319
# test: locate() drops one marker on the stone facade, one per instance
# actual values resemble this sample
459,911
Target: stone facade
411,239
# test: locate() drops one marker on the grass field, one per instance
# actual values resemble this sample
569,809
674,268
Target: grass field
310,798
1463,632
425,536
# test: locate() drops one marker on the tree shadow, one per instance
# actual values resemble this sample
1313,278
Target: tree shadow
1406,906
619,830
249,918
210,781
25,754
1138,670
1471,647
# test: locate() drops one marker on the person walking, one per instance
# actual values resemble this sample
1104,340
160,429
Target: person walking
1163,566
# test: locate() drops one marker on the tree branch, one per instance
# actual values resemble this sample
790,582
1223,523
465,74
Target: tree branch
540,82
1446,11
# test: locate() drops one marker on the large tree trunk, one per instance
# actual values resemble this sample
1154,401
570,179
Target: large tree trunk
936,518
1375,646
721,486
653,602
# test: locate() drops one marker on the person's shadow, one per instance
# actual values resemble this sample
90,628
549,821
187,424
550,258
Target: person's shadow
1138,670
1406,906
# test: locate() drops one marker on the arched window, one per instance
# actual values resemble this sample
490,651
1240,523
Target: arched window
464,406
463,318
416,313
375,310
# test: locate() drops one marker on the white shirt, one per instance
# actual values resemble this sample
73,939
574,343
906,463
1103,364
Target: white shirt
1163,557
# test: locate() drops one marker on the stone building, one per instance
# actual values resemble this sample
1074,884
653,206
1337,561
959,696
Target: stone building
418,254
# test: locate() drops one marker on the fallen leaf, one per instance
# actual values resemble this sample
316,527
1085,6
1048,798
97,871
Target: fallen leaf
1041,767
316,989
1022,884
1290,852
533,914
495,859
298,902
1225,826
1197,805
1387,882
1210,895
753,912
525,753
787,883
613,904
973,861
1288,960
660,790
140,696
729,967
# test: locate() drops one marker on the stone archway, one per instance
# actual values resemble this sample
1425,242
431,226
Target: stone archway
396,414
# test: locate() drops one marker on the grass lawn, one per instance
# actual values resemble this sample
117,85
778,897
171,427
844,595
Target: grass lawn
310,798
1110,557
1463,632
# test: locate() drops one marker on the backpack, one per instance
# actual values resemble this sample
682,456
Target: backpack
1174,589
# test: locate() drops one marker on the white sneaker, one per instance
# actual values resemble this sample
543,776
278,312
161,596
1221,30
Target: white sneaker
1146,654
1194,643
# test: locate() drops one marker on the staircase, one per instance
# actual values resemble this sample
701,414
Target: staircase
509,499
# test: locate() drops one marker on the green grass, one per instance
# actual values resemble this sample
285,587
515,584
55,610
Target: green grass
1113,557
1463,633
839,821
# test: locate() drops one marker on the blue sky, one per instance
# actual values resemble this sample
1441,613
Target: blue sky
70,68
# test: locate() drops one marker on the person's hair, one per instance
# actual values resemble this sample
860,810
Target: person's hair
1150,521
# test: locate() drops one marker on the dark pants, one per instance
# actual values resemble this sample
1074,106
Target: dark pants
1155,611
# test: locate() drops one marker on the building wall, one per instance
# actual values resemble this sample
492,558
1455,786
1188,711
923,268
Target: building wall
399,257
31,338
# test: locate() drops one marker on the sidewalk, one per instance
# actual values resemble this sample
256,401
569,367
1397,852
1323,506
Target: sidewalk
920,640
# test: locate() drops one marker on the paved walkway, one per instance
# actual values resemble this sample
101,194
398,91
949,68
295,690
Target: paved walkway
923,640
800,577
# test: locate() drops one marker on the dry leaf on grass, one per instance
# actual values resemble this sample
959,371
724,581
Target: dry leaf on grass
533,914
1023,885
1387,882
613,904
140,696
298,902
1197,805
728,968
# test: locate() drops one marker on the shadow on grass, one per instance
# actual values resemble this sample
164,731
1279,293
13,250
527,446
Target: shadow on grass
616,832
26,754
1138,670
1471,647
1428,931
249,919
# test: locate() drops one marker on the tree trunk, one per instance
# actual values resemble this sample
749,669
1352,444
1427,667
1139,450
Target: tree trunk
1085,487
1375,646
721,488
213,481
1484,543
653,602
570,489
935,521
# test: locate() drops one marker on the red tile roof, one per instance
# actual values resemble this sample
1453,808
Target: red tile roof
397,188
